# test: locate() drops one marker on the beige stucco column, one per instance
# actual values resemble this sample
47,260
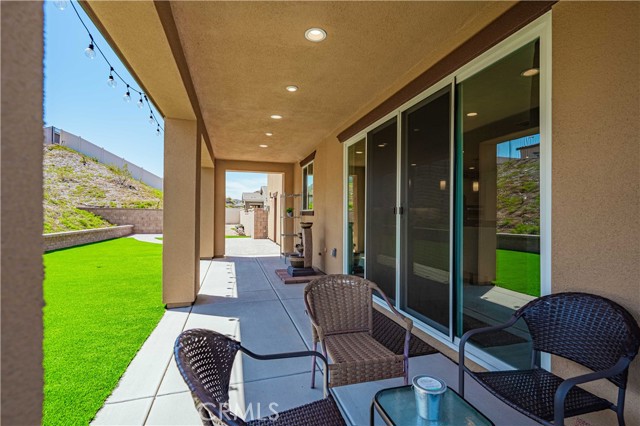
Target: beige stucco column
181,228
219,194
207,188
21,215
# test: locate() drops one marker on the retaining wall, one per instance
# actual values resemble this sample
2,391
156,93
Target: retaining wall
519,242
60,240
144,221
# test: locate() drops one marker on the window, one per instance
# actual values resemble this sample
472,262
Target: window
307,187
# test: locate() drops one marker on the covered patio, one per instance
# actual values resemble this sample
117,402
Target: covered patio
243,297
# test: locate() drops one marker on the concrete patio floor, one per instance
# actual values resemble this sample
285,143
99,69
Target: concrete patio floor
242,297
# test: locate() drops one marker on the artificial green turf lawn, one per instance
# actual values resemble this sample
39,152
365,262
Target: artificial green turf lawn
237,236
101,302
518,271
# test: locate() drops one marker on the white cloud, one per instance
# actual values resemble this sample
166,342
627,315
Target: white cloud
237,183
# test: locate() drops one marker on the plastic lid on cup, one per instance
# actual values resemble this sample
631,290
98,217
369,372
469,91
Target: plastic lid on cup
429,384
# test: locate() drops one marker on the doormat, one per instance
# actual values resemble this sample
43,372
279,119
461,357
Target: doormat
493,338
283,274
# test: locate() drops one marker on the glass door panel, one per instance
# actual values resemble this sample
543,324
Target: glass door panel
499,204
356,180
426,224
381,207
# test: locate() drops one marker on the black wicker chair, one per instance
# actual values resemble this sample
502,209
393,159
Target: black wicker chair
587,329
205,359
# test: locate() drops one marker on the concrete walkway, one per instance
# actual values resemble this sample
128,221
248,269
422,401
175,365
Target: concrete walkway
242,297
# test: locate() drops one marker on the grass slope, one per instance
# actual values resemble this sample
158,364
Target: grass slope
101,302
518,271
72,179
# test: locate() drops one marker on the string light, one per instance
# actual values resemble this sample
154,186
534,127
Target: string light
61,4
90,52
127,96
111,82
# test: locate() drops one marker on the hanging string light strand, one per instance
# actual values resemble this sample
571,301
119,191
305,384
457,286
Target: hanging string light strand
90,52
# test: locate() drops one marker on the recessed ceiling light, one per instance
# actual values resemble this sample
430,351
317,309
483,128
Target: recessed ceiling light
269,134
382,145
264,146
413,164
359,152
530,72
276,117
315,34
292,88
472,114
416,130
472,168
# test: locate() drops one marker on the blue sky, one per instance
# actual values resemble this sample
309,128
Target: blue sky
239,182
77,99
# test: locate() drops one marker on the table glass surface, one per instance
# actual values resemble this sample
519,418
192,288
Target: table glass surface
399,404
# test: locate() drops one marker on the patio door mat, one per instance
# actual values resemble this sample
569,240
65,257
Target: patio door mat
494,338
391,335
283,274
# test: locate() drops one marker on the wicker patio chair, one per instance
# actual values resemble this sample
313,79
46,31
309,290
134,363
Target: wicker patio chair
205,359
587,329
340,308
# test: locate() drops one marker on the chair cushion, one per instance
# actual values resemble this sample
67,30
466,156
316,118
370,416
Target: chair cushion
358,357
319,413
532,391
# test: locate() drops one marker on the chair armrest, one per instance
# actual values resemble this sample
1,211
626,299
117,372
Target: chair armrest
568,384
463,341
285,355
314,322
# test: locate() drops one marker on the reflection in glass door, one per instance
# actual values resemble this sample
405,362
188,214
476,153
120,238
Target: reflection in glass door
499,198
426,195
381,207
356,186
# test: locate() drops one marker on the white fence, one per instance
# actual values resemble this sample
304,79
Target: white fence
53,135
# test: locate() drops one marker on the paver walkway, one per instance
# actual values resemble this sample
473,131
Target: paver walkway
242,297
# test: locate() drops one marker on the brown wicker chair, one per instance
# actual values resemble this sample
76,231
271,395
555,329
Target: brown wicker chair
341,312
205,359
587,329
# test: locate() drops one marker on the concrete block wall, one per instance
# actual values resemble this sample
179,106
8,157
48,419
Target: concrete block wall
260,224
144,221
60,240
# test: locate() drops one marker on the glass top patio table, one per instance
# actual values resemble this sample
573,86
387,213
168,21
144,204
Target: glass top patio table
397,406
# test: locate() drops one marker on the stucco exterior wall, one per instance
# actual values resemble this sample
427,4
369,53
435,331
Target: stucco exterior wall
21,212
596,162
274,188
207,180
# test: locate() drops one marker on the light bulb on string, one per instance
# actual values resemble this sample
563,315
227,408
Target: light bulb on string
61,4
140,102
127,96
151,119
111,82
89,52
158,131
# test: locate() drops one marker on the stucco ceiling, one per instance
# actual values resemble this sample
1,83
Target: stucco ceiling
241,55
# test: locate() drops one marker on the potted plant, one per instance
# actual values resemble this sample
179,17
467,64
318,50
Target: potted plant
289,211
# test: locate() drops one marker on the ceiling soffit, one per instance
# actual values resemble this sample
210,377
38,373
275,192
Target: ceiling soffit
139,38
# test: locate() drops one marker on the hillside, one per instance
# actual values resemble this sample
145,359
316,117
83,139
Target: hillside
72,179
519,196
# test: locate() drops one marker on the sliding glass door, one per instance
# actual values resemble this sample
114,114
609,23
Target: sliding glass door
499,198
457,199
426,226
382,206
